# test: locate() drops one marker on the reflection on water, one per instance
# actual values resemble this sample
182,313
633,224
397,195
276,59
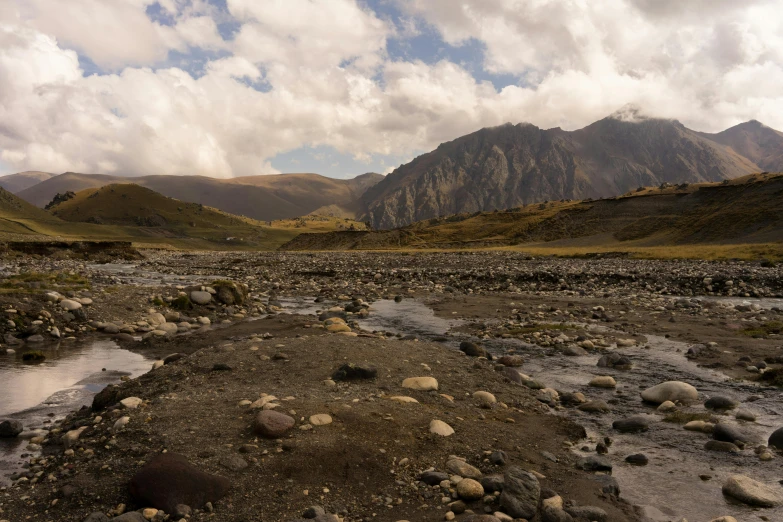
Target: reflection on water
40,393
24,385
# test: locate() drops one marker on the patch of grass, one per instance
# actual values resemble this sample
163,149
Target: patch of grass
773,376
182,303
34,282
157,301
771,327
681,417
34,356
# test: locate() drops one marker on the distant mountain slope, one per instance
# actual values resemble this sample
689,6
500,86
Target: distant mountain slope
512,165
745,210
755,141
265,198
14,207
15,183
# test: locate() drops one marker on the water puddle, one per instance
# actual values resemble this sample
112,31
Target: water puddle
39,393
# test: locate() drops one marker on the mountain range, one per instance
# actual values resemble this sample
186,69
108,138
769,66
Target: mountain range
512,165
491,169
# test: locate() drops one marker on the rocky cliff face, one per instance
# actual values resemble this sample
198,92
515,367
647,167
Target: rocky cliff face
513,165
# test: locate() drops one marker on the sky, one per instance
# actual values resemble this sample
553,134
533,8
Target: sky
229,88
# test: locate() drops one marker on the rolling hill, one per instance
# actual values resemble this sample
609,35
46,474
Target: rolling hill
745,210
513,165
14,183
264,198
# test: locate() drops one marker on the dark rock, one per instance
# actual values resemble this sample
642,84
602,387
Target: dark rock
272,424
353,372
433,478
521,493
492,483
551,514
609,485
169,480
221,367
498,457
313,512
720,403
511,360
637,459
719,445
472,349
614,360
726,433
96,517
480,518
181,511
591,513
631,425
512,375
776,439
173,358
10,428
130,516
594,463
594,407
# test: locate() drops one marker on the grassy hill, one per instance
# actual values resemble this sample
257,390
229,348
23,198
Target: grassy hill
730,214
127,212
265,198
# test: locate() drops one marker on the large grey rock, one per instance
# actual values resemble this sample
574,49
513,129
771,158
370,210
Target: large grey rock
727,433
631,425
720,403
10,428
168,480
521,493
463,469
675,391
96,517
752,492
130,516
776,439
200,298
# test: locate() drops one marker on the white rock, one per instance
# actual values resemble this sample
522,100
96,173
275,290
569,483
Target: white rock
403,399
320,419
438,427
121,423
70,438
485,398
673,391
131,403
70,305
603,381
752,492
200,297
420,383
667,406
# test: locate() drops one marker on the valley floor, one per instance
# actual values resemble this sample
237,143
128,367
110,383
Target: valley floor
715,325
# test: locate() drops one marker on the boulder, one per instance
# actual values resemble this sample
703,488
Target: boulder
168,480
675,391
751,492
10,428
463,469
469,489
635,424
776,439
726,433
521,493
200,298
720,403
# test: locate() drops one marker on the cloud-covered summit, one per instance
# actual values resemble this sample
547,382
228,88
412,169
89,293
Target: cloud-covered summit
239,87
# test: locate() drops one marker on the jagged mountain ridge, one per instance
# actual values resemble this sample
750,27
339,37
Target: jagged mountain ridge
512,165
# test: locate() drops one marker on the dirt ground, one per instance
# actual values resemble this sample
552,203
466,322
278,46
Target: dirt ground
351,467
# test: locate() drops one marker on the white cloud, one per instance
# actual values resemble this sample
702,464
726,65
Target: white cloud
328,80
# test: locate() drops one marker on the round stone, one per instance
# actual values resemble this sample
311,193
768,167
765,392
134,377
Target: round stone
70,305
673,391
603,381
469,489
200,298
752,492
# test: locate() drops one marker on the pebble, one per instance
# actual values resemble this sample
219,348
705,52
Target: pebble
439,427
603,381
320,419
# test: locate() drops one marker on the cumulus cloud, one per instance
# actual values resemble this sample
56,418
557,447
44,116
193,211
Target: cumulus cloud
319,73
